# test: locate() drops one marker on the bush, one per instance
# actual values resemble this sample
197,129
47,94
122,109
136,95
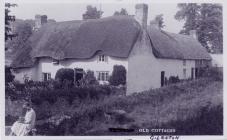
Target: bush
118,76
76,93
91,115
208,121
9,120
89,79
173,79
65,76
213,72
9,77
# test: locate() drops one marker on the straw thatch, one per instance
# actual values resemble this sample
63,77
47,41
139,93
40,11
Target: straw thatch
114,36
176,46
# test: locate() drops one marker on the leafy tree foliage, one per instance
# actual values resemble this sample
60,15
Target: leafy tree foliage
206,19
8,18
122,12
92,13
23,30
65,74
118,76
9,77
158,20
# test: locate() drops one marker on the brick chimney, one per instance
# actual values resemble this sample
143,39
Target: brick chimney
193,34
141,14
40,20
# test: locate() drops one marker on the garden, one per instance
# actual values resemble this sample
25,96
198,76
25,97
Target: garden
190,106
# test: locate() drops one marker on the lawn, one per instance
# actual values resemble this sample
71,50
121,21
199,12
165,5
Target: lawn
191,108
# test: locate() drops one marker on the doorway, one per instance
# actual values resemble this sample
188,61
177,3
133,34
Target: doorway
192,73
196,72
162,78
79,73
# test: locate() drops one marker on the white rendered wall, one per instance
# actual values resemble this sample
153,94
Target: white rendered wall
30,73
144,69
46,65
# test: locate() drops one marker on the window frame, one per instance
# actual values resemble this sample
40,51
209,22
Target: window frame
102,58
103,75
48,76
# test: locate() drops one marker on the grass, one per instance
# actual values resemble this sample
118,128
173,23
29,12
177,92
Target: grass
184,106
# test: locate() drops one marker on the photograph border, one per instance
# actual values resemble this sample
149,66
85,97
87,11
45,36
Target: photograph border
2,62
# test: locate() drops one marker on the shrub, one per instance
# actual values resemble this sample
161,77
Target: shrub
65,75
118,76
9,77
208,121
89,79
173,79
9,120
213,72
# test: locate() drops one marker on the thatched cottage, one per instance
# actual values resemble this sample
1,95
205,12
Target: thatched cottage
149,54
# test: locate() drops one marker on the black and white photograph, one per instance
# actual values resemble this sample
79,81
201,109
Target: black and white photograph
113,69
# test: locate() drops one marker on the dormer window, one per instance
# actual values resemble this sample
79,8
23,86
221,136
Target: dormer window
102,58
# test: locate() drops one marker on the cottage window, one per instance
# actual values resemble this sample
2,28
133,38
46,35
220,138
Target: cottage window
184,73
46,76
184,62
56,62
102,58
103,75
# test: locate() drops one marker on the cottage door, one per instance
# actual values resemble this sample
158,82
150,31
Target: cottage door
78,75
192,73
162,78
196,72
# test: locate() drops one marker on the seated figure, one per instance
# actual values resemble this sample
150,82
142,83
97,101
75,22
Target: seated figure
24,125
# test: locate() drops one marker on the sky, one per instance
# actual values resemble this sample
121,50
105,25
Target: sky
74,11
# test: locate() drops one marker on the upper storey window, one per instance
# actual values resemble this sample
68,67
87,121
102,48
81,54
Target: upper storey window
102,58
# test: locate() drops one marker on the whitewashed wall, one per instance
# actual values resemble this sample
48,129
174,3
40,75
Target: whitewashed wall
144,69
45,65
31,73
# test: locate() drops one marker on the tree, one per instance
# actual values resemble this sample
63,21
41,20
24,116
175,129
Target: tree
8,18
65,74
9,77
23,30
64,78
211,27
118,76
206,19
92,13
122,12
158,20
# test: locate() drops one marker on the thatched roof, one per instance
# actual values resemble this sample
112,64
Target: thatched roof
176,46
114,36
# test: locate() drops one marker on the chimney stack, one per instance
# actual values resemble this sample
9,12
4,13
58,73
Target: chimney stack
141,14
193,34
40,20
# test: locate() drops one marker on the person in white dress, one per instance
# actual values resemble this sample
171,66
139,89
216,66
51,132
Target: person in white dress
23,126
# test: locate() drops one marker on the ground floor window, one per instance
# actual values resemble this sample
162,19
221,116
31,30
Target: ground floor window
192,73
103,75
46,76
